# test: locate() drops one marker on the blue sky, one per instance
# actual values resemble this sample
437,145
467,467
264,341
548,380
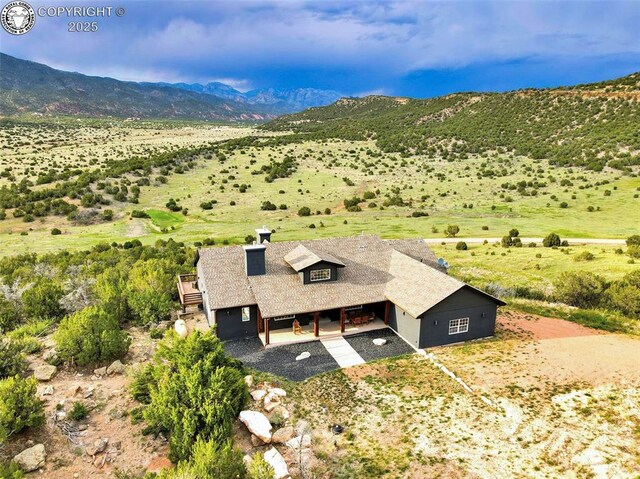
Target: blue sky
417,49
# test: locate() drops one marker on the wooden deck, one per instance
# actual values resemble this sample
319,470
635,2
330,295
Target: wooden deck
328,329
188,291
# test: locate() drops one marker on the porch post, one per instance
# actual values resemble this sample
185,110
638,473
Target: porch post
266,331
260,323
316,324
342,318
387,311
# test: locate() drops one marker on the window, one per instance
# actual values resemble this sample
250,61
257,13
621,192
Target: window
282,318
353,308
320,274
246,314
460,325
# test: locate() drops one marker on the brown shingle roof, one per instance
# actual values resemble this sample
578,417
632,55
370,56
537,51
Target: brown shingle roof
403,271
302,257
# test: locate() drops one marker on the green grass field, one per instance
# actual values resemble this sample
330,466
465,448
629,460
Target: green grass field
457,192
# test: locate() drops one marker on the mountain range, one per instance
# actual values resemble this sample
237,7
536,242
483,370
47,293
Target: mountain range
30,87
283,100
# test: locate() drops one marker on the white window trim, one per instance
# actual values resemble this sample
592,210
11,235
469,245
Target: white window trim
353,308
246,309
459,325
327,270
282,318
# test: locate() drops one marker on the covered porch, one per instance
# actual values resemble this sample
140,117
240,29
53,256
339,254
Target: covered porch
324,324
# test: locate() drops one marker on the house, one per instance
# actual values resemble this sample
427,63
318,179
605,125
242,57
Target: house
335,286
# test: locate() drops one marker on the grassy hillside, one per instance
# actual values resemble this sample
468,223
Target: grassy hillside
29,87
588,125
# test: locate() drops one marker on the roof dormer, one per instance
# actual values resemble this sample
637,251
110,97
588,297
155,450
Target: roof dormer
313,266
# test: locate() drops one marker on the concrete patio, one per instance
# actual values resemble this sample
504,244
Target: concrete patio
328,329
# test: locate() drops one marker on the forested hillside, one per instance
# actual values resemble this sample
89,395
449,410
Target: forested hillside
591,125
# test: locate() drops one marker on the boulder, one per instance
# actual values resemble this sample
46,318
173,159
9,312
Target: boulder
298,442
379,341
116,367
271,398
100,371
269,407
97,447
302,356
273,457
258,424
50,356
282,411
283,435
48,391
248,380
32,458
45,372
181,328
256,441
278,392
258,394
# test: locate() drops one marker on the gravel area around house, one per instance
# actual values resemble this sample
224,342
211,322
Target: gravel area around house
281,360
363,344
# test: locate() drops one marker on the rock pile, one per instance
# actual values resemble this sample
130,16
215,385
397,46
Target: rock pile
269,409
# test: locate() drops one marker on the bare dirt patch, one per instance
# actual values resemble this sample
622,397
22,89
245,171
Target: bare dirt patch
109,403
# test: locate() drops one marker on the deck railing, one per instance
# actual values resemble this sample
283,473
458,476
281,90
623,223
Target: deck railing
188,290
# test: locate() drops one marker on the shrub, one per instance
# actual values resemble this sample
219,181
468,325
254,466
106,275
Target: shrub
452,231
139,214
249,239
195,391
106,215
19,406
149,288
78,411
268,206
418,214
633,240
259,468
12,361
551,240
507,241
514,233
624,297
210,460
89,336
585,256
304,211
42,301
56,231
485,228
461,245
581,289
10,470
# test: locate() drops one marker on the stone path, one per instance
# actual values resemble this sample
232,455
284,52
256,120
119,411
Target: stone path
342,352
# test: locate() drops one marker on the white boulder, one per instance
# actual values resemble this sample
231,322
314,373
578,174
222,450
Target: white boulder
115,367
302,356
379,341
273,457
181,328
258,424
278,392
258,394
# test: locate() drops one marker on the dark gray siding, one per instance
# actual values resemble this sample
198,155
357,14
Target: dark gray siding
306,273
464,303
231,326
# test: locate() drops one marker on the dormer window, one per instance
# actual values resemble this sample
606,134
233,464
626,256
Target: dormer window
320,274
